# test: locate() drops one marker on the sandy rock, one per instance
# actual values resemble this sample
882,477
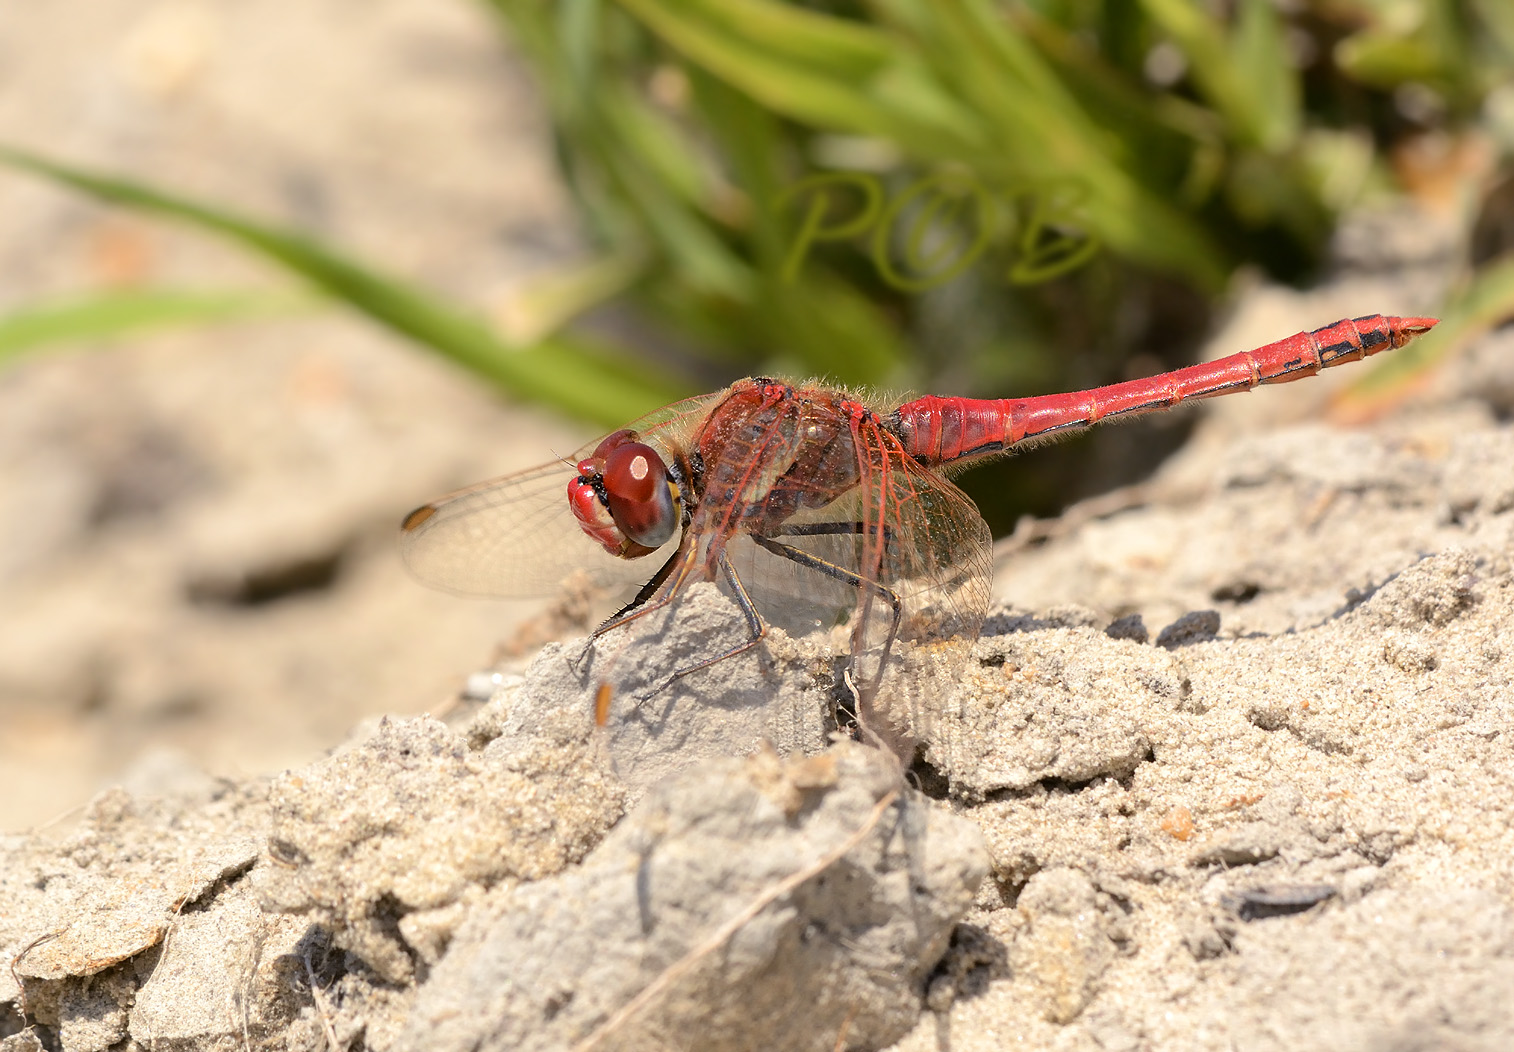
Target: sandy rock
1065,945
1282,530
223,973
86,919
1043,705
656,728
811,906
1192,627
1432,593
112,889
1323,777
1130,627
412,821
1411,968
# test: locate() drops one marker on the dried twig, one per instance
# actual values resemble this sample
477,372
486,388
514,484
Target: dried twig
719,936
1030,530
320,1004
846,1025
16,960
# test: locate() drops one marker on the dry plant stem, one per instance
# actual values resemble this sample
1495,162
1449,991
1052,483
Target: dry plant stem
899,747
1030,530
718,938
320,1004
16,961
152,1041
846,1026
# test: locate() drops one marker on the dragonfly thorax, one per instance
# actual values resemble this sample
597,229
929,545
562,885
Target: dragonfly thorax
625,497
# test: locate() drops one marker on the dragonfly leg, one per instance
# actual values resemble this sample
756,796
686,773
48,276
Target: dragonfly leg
870,722
839,573
648,600
831,529
816,529
756,628
638,606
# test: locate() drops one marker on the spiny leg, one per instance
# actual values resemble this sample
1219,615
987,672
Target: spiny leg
644,603
839,573
639,606
868,720
816,529
754,623
831,529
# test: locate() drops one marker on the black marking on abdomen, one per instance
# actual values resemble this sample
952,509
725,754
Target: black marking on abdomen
1334,351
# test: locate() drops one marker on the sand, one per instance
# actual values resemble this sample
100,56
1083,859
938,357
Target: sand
1281,826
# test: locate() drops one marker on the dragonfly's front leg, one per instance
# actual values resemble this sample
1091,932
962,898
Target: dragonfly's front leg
756,628
648,600
639,606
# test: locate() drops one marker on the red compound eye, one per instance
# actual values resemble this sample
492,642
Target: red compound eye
641,497
593,517
639,510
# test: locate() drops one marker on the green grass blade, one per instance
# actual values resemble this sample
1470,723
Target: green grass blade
1045,138
108,315
971,91
1245,75
564,373
1268,80
802,85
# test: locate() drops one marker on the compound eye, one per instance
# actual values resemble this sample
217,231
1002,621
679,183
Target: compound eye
641,496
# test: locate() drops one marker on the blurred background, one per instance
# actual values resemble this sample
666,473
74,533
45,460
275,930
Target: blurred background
272,274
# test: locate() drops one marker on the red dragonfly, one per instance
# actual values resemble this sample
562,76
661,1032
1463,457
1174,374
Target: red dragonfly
808,508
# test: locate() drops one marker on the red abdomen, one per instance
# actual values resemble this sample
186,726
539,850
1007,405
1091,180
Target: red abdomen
941,430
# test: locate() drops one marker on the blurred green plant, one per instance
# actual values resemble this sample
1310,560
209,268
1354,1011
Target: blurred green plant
1183,139
794,188
111,314
569,373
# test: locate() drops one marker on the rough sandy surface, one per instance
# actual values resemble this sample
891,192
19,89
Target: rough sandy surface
1285,827
196,526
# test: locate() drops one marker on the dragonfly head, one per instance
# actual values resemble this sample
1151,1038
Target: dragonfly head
624,497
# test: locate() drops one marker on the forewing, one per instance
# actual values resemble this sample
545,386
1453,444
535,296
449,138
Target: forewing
510,537
516,537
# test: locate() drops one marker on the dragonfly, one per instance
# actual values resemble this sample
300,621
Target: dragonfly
811,509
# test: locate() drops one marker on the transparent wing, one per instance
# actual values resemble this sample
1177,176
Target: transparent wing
901,535
516,537
901,563
510,537
926,542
